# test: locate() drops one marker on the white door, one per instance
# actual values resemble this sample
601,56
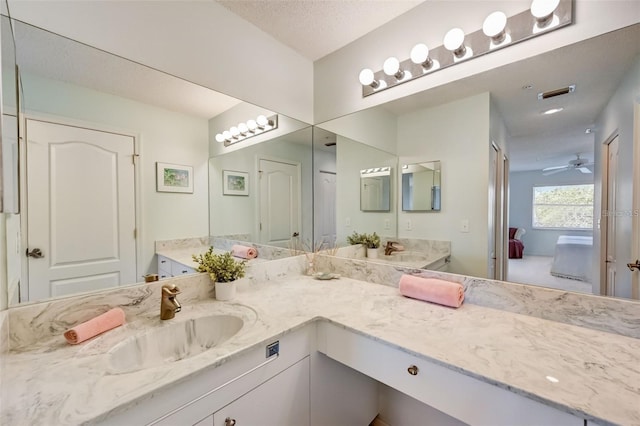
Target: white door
610,207
80,210
326,218
635,241
279,202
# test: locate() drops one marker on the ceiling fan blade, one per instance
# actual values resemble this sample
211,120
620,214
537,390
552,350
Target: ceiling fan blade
553,172
555,168
584,170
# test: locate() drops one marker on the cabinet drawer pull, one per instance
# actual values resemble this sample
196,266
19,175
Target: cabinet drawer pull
229,421
163,261
413,370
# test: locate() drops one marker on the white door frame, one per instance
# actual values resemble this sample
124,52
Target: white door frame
67,121
604,219
505,217
258,211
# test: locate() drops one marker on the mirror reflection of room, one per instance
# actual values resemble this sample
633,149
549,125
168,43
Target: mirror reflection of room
421,186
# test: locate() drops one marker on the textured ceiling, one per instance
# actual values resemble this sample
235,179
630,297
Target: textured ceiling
315,28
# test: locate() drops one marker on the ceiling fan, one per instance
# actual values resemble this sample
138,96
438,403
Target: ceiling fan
580,164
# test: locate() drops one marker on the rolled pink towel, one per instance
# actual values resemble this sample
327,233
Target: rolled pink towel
432,290
111,319
244,252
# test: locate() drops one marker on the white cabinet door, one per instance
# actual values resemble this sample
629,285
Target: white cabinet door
281,401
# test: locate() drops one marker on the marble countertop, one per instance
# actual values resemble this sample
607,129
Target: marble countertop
184,255
598,373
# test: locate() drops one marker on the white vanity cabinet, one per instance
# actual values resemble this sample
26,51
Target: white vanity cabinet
281,400
457,395
168,268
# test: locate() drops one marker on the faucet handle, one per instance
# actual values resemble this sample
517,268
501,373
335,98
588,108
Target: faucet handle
170,289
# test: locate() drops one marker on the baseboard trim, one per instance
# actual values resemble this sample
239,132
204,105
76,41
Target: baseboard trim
379,422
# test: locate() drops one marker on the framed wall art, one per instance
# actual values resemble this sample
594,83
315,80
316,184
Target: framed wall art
174,178
235,183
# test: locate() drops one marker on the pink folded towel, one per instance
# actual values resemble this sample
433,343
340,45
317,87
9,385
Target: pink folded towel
432,290
111,319
244,252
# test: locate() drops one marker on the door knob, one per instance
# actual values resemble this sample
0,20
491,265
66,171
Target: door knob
36,253
634,266
413,370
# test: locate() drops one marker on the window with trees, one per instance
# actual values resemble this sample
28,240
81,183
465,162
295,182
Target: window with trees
563,207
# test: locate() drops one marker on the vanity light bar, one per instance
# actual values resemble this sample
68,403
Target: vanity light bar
498,31
248,130
376,171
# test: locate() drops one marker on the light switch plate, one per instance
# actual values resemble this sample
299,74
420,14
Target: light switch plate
347,222
464,225
408,225
387,224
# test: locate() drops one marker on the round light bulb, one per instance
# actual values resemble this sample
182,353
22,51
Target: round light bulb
543,9
391,66
252,125
366,77
220,138
234,131
419,53
227,135
454,39
494,24
243,128
262,120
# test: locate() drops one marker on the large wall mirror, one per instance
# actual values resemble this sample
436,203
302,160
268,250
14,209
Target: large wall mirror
460,123
109,124
421,187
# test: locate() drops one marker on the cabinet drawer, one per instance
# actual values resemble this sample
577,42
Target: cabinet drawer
460,396
178,269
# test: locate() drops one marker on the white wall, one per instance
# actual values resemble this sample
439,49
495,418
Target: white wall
200,41
457,134
374,127
617,118
164,136
539,242
351,157
240,214
337,90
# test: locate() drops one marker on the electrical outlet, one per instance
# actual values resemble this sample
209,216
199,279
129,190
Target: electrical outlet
464,225
347,222
408,225
387,224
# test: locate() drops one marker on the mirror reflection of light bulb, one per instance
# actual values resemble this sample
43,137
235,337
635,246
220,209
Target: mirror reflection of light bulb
262,121
234,131
494,26
243,128
227,135
220,138
252,125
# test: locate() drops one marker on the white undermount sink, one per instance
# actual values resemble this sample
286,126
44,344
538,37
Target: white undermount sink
172,342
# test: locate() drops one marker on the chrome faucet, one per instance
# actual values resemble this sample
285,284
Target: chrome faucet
169,305
390,248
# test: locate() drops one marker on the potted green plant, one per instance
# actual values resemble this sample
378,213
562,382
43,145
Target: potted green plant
356,238
223,269
372,242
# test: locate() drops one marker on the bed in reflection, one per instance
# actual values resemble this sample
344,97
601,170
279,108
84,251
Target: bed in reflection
572,258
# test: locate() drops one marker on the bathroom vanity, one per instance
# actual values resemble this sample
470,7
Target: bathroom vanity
336,341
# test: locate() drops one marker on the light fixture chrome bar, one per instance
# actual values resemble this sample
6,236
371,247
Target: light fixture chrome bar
520,27
271,123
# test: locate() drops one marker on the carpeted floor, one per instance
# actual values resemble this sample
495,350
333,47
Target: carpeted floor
535,270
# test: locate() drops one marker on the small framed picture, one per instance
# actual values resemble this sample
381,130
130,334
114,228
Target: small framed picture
174,178
235,183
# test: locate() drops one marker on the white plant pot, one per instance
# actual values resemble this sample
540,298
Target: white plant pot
226,291
372,253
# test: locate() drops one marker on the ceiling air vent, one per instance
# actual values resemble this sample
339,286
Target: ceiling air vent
556,92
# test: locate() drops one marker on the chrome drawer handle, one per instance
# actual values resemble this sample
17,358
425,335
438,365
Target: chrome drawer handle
229,421
413,370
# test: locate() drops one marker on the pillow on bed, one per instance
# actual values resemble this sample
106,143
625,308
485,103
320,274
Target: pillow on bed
519,233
